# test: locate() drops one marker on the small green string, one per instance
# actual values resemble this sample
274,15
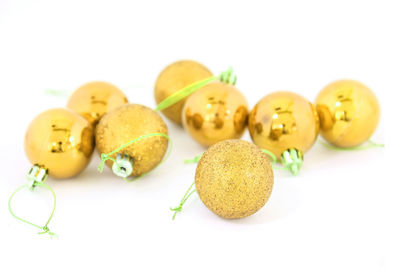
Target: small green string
193,160
53,92
104,157
226,77
45,229
184,199
370,144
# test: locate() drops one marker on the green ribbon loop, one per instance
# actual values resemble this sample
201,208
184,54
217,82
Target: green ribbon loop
370,144
184,199
107,156
226,76
45,229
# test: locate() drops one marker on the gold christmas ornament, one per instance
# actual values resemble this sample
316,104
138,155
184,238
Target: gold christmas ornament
349,113
95,99
175,77
234,179
59,141
285,124
216,112
127,123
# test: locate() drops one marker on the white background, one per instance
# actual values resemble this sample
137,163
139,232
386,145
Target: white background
340,211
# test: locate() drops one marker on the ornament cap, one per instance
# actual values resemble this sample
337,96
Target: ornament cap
37,174
292,159
123,165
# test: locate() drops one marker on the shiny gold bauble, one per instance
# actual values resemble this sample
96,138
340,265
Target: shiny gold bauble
234,179
126,123
349,113
95,99
61,141
175,77
284,120
216,112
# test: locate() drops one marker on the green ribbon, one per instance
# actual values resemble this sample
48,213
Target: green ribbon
45,229
370,144
104,157
184,199
226,77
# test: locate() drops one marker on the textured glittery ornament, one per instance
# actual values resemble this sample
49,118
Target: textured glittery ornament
216,112
60,141
175,77
282,121
126,123
234,179
349,113
95,99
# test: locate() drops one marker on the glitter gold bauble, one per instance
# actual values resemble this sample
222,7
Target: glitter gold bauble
126,123
349,113
282,121
61,141
174,78
216,112
94,99
234,179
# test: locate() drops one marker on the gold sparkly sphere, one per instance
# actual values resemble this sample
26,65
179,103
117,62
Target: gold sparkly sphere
234,179
126,123
284,120
175,77
61,141
349,113
95,99
216,112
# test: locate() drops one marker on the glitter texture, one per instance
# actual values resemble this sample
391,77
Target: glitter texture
126,123
234,179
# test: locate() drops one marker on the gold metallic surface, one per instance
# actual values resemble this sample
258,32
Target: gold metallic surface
234,179
126,123
60,140
216,112
349,113
175,77
94,99
284,120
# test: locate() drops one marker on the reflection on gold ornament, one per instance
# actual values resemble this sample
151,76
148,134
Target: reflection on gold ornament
94,99
349,113
234,179
285,124
175,77
127,123
61,141
216,112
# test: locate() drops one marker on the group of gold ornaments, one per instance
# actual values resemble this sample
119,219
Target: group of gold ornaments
234,178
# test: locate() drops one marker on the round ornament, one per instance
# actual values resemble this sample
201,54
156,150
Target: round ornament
216,112
95,99
60,141
349,113
285,124
234,179
124,124
175,77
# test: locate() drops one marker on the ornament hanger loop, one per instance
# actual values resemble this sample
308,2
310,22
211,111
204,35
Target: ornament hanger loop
184,199
37,181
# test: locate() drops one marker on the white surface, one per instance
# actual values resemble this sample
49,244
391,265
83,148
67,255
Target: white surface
340,211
